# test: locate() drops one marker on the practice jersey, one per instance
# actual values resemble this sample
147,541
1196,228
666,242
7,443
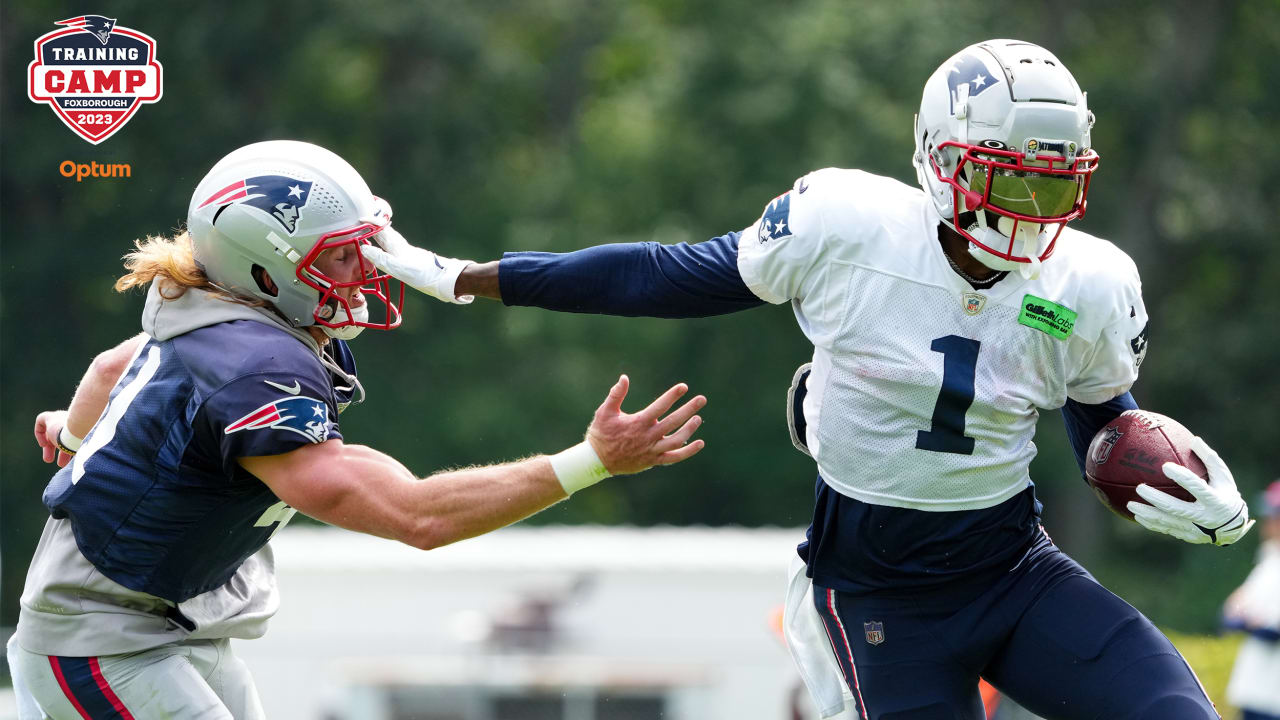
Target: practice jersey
924,392
157,533
156,495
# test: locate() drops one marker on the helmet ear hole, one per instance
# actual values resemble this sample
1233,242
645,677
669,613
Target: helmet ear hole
264,281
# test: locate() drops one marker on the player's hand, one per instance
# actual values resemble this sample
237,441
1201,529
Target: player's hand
1218,515
420,269
631,443
48,424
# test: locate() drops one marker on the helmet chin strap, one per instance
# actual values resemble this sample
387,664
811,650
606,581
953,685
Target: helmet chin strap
348,332
353,385
1028,236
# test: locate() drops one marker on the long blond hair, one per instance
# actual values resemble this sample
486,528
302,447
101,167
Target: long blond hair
171,260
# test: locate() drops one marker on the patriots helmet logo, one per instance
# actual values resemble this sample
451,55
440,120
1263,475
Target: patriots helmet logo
969,70
300,414
776,221
279,196
96,25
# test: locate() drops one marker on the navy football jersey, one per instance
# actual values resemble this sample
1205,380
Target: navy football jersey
156,497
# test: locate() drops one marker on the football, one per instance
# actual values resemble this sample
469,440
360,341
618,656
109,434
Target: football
1130,451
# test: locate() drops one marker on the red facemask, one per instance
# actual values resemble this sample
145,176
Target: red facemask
1043,189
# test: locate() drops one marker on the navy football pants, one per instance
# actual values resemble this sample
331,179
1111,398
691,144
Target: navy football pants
1045,634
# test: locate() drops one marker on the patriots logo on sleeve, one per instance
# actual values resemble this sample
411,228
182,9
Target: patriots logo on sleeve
776,222
280,197
1139,347
306,416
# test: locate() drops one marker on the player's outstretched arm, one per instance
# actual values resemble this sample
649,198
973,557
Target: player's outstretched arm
57,431
631,279
419,268
1218,515
359,488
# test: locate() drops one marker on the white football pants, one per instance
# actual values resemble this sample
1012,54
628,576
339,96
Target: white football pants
195,679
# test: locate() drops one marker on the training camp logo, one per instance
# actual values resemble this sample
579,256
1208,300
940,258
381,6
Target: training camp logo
95,74
280,197
306,416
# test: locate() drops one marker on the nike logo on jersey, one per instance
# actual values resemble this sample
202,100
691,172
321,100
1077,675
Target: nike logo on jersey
291,389
802,186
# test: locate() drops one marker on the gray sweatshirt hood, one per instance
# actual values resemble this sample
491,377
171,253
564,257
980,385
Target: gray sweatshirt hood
164,319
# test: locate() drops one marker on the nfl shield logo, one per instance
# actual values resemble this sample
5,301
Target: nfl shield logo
874,631
973,302
1101,449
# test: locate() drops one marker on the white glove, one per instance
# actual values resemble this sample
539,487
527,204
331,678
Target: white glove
1219,515
420,269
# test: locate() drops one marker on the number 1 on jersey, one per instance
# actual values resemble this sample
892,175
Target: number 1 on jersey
959,367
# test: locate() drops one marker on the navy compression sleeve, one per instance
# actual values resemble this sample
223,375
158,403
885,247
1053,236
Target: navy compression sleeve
633,279
1084,421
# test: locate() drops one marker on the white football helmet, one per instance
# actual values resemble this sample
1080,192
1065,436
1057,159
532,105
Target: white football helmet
274,207
1002,149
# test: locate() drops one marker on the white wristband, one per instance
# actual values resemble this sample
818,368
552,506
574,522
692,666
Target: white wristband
578,467
67,441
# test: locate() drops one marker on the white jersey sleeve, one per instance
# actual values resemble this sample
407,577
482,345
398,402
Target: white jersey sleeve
780,255
1108,365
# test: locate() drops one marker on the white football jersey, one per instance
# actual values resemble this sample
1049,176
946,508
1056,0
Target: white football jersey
924,392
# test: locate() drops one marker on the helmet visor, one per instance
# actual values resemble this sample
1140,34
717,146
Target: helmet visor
1027,193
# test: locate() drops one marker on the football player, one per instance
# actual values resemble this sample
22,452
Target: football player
220,421
943,319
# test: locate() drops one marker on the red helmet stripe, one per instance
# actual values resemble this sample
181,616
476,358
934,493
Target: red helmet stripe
234,191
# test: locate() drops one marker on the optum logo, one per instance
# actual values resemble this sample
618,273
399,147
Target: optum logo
94,169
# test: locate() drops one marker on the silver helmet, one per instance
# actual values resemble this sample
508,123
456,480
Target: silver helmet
263,215
1003,150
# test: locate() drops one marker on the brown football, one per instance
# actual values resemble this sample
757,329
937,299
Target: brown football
1130,451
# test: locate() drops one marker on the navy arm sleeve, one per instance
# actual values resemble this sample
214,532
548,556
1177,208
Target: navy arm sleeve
632,279
1084,421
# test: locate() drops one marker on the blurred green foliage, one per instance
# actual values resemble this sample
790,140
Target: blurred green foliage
559,124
